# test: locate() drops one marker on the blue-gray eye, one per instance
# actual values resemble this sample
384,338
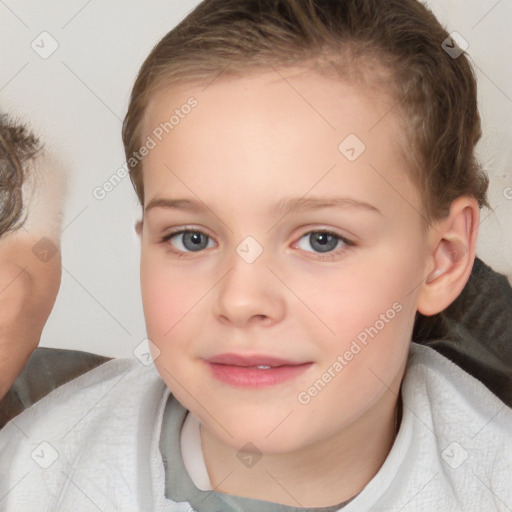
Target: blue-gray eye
321,241
191,241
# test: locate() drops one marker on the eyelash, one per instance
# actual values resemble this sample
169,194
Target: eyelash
323,257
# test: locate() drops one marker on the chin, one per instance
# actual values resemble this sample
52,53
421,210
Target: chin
253,435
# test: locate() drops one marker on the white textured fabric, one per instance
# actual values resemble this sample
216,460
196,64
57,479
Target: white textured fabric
100,433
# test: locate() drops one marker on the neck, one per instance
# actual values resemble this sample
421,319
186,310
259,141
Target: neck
321,474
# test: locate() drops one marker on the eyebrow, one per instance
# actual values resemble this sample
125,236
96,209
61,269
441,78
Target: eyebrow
285,205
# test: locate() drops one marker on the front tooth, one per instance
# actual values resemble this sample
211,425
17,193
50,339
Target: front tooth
262,367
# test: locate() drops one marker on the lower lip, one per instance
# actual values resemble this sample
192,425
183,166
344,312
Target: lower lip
246,377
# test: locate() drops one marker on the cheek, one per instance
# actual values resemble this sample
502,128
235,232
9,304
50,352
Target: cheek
165,298
360,299
370,310
361,363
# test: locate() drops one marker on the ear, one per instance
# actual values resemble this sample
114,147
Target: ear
452,246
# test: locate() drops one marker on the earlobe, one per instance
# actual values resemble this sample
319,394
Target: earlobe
452,256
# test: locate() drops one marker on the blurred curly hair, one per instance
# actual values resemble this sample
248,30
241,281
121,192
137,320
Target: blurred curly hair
18,146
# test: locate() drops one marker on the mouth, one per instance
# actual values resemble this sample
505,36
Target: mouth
254,371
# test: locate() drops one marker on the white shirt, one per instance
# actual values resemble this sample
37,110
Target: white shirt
93,444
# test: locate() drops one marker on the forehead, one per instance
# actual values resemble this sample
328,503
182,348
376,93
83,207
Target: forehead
272,132
330,103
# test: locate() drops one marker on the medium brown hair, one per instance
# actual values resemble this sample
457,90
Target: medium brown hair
396,44
17,147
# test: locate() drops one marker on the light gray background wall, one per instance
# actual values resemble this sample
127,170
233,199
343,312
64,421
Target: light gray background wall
76,98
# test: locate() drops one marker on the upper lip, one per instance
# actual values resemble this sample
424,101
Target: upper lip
250,360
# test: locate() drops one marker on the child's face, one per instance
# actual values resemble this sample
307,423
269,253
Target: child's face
254,283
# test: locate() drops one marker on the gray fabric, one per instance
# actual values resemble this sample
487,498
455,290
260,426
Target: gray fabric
179,486
46,369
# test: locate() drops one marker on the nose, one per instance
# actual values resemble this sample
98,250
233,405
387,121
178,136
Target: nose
250,294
